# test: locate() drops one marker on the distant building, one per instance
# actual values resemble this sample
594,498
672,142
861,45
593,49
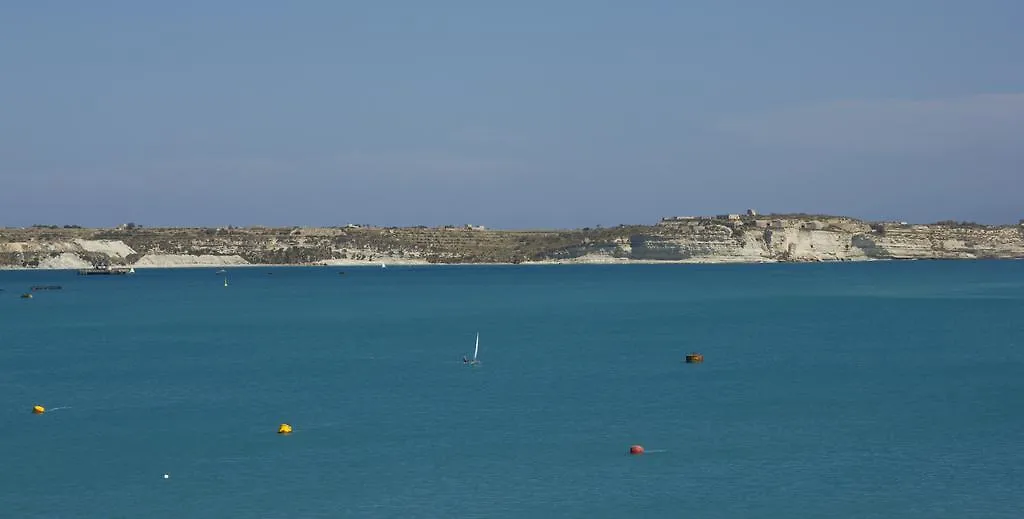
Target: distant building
731,216
751,212
475,227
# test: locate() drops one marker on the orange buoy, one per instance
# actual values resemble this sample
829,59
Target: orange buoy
694,358
38,409
636,449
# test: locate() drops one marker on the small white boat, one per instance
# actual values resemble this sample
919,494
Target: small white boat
476,351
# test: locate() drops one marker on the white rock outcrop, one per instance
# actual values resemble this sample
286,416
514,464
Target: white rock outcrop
112,248
187,260
65,260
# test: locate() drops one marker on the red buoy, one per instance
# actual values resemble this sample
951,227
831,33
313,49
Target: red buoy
636,449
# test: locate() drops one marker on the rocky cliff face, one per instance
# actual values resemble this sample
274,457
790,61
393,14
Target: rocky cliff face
766,240
711,242
796,240
927,242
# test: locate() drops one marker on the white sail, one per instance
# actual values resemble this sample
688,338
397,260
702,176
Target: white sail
477,349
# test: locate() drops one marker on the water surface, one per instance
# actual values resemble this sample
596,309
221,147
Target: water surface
889,389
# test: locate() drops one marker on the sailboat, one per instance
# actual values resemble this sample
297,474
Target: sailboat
476,351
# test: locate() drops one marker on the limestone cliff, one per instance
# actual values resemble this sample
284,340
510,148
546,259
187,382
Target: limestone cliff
755,239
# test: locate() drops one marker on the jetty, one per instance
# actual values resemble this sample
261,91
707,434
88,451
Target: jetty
106,270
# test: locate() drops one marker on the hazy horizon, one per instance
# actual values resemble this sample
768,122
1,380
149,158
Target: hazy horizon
513,116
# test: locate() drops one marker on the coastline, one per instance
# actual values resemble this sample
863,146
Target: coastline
370,265
407,263
727,239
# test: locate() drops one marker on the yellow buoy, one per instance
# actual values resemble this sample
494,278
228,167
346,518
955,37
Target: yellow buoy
38,409
284,429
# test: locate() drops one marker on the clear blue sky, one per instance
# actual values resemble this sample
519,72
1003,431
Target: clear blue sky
508,114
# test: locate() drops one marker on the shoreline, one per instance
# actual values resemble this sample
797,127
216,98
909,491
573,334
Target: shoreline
724,239
363,264
523,264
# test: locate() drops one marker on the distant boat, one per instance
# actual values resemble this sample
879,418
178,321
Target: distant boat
225,281
383,266
476,351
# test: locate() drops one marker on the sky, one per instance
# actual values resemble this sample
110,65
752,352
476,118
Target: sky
525,114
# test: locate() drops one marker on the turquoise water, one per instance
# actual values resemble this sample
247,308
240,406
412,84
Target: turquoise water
842,390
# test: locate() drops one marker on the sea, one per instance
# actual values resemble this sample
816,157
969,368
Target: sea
844,390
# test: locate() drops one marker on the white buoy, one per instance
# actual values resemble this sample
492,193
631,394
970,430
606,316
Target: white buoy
167,476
